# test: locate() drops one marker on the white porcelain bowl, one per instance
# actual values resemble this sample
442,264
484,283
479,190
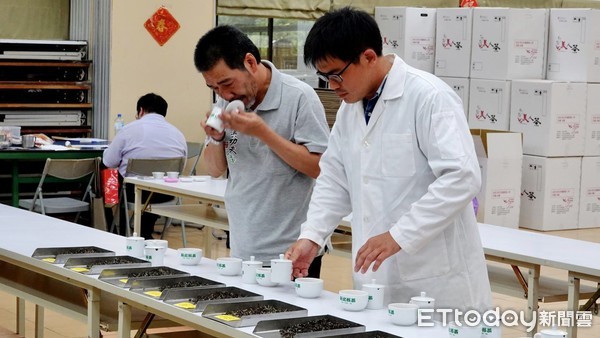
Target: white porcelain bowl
403,313
159,175
308,287
353,300
229,266
263,277
189,256
221,212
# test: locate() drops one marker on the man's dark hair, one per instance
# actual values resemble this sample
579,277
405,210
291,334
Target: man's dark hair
343,34
152,103
224,43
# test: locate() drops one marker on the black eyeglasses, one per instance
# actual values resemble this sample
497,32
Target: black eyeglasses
335,77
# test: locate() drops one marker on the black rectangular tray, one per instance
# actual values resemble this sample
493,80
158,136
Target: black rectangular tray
218,312
271,328
95,265
125,276
156,287
182,298
59,255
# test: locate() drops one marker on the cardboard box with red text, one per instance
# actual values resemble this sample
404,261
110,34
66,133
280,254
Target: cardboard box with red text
500,157
550,193
509,43
453,41
550,116
408,32
574,45
591,127
589,204
489,104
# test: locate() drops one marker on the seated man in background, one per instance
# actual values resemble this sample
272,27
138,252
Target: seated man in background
150,136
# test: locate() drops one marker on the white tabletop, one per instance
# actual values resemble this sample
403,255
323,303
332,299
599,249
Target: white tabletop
29,231
526,246
209,188
540,248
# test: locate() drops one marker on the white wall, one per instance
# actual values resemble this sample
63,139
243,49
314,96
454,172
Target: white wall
140,65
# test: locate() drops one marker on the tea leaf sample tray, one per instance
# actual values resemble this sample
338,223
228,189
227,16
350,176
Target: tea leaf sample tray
368,334
125,276
60,255
156,287
95,265
197,299
244,313
312,326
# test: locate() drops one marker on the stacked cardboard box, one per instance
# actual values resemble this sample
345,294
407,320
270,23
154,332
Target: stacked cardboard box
560,136
534,72
500,156
408,32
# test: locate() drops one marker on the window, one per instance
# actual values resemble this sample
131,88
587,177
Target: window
279,40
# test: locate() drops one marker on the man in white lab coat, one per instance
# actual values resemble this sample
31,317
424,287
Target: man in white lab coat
401,159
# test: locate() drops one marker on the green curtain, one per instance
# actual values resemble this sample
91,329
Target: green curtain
540,3
312,9
369,5
34,19
288,9
581,3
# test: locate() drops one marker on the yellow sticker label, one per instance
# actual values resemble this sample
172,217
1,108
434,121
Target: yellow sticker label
228,318
80,269
186,305
49,260
124,280
154,293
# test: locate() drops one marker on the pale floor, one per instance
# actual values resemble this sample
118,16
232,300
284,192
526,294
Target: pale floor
335,272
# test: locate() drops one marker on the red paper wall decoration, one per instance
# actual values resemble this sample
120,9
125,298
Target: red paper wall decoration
468,3
162,25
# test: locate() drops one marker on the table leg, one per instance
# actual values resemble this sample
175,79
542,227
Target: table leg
21,317
533,283
208,241
39,321
137,212
573,303
15,183
93,311
124,327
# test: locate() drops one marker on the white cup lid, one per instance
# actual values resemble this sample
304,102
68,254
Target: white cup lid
422,298
252,261
281,260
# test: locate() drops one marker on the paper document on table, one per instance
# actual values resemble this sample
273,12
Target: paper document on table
80,139
54,147
90,146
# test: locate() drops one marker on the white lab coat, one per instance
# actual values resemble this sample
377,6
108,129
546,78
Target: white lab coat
412,171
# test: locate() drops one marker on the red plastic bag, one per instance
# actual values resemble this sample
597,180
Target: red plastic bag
110,186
